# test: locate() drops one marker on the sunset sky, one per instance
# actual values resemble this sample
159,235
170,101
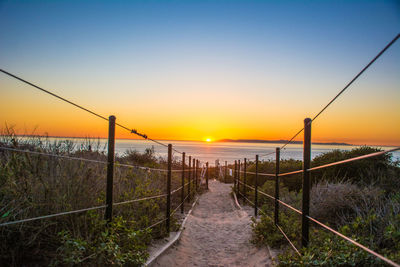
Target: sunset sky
191,70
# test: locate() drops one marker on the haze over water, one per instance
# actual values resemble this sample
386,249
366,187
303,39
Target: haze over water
226,151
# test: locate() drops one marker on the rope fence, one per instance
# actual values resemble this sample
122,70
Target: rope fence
341,92
155,224
87,160
51,155
133,131
52,215
306,175
138,200
191,174
306,189
288,239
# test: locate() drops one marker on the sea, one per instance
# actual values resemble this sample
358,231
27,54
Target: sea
225,151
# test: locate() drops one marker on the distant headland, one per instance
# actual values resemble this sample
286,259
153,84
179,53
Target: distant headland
280,142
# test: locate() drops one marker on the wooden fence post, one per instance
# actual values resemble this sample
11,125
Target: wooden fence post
244,180
189,176
183,182
238,179
197,175
194,175
110,168
207,175
277,163
306,183
169,188
256,190
234,177
226,170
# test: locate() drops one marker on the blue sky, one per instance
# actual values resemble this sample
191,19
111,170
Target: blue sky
281,59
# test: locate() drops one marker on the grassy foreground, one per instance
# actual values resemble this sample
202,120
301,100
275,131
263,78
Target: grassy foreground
36,185
360,199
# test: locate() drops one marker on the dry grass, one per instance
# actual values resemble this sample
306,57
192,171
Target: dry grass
35,185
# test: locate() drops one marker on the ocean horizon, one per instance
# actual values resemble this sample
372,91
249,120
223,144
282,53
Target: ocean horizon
217,150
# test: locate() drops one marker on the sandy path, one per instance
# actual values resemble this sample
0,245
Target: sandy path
216,234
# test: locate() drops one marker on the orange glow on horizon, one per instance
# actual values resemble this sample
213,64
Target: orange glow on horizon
31,112
200,79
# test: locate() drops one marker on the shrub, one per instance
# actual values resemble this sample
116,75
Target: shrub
341,202
379,170
327,249
364,214
114,244
34,185
265,232
144,159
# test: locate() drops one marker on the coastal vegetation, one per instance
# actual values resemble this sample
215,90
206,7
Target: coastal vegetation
360,199
33,185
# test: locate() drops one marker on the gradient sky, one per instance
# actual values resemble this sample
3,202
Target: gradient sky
192,70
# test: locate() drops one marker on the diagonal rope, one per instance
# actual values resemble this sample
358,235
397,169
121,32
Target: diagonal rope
347,86
52,215
133,131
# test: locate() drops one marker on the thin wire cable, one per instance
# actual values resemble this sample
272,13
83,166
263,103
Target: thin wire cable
176,190
138,199
347,86
287,238
273,198
140,167
249,186
133,131
52,215
354,242
265,194
290,173
290,207
281,202
83,159
173,212
51,155
264,155
358,75
375,154
248,200
266,215
260,173
155,224
280,229
177,170
53,94
291,139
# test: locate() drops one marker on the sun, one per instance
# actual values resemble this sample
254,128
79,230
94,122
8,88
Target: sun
208,140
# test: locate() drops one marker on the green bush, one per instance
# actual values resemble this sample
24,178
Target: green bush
265,232
114,244
361,213
327,249
34,185
379,170
293,183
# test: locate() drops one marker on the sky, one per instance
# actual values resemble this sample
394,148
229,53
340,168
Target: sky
192,70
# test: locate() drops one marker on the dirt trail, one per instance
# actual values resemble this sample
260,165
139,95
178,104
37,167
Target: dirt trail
217,233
